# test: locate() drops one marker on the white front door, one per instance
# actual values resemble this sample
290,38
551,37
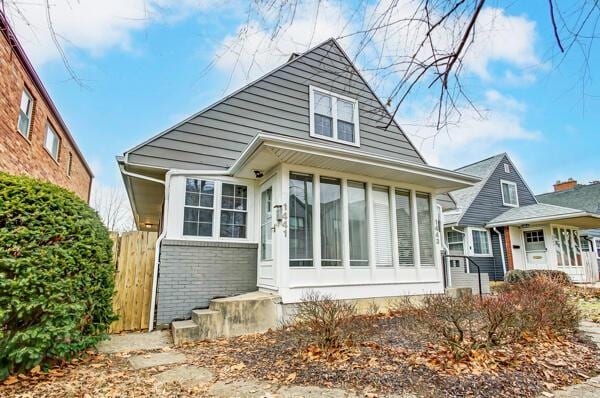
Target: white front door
536,253
266,247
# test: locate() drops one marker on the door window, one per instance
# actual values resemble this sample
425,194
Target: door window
534,240
266,221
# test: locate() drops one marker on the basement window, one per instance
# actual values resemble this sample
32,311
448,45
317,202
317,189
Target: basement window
333,117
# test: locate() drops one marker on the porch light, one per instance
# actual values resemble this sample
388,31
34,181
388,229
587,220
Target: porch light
148,225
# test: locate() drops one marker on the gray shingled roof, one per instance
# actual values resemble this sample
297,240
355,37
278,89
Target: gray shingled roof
583,197
464,197
534,212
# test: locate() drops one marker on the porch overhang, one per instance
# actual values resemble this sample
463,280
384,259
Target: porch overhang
542,213
267,151
146,191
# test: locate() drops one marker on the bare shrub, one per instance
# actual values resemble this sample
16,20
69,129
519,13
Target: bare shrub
326,322
534,307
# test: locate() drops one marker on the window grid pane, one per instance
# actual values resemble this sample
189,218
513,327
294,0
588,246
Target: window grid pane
266,219
52,142
300,219
331,222
198,210
425,226
357,224
233,211
404,228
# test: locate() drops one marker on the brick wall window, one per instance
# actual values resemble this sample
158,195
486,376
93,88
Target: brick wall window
52,142
25,113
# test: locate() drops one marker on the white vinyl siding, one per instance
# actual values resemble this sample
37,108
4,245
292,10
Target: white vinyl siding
510,195
333,117
381,226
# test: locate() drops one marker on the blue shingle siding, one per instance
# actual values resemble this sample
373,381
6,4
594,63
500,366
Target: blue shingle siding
488,203
192,273
277,103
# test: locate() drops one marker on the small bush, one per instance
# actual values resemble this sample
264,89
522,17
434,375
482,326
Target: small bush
56,274
517,276
324,321
534,307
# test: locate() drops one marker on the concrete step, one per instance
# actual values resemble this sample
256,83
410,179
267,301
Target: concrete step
199,315
184,331
254,312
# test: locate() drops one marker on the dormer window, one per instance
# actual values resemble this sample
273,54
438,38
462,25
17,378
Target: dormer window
509,194
506,168
333,117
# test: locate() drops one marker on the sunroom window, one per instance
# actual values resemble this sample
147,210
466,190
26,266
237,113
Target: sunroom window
357,224
333,117
424,219
404,227
300,220
331,222
199,207
234,206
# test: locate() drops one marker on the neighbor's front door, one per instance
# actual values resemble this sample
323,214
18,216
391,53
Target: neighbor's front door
535,249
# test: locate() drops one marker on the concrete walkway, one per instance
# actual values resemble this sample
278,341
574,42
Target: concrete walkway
591,387
122,343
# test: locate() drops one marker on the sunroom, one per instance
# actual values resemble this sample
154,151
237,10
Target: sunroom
325,218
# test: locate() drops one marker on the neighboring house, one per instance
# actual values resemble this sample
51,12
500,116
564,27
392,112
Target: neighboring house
579,196
501,226
298,181
34,139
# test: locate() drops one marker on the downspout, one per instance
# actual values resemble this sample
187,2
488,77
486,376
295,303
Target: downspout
162,235
158,241
501,250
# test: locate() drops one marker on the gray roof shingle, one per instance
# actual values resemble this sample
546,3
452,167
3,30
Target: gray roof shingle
532,212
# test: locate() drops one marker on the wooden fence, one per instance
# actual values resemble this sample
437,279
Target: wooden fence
134,256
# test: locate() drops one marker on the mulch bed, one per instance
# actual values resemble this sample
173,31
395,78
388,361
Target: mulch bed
394,359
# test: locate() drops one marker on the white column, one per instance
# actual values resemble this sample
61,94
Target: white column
345,226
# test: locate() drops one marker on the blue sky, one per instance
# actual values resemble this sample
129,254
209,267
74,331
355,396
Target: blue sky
143,64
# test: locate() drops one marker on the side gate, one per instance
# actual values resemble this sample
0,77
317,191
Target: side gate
133,253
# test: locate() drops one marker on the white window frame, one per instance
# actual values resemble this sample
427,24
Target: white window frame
510,183
507,168
334,98
370,183
175,210
472,246
50,129
29,112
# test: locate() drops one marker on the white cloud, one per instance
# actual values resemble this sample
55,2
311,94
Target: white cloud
90,25
252,51
476,136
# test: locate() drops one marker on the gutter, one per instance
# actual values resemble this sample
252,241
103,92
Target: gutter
501,249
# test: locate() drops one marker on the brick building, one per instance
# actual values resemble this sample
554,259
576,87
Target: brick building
34,139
